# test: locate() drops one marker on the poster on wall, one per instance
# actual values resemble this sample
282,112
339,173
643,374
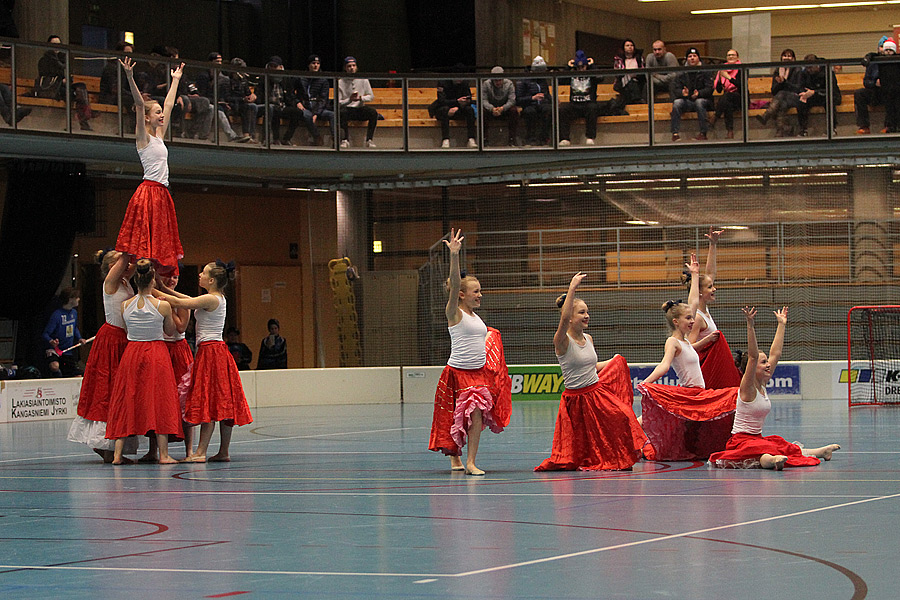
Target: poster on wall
39,399
538,38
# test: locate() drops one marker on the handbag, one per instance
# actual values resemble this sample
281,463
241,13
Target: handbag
48,86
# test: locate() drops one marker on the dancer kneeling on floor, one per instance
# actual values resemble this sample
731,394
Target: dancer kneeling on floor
145,397
474,391
214,392
595,428
748,448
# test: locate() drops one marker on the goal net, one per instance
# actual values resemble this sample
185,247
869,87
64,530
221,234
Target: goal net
873,355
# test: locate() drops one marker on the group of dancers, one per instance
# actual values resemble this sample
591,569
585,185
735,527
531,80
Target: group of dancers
716,413
141,378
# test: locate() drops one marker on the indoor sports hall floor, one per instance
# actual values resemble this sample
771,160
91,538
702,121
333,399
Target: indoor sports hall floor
346,502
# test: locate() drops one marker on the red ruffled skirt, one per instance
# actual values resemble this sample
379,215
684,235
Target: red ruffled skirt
686,423
215,392
596,428
100,372
461,391
150,228
144,397
744,450
181,356
717,365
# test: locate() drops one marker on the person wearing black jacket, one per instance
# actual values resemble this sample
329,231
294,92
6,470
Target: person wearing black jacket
52,84
312,97
282,105
213,84
535,99
691,91
785,94
454,101
814,92
582,102
873,93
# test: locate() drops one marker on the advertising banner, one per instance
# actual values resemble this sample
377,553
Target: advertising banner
39,399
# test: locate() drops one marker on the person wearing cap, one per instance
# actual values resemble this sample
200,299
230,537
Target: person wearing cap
785,94
582,101
242,98
535,99
353,94
454,101
312,96
213,83
281,104
872,92
692,92
660,57
815,93
498,99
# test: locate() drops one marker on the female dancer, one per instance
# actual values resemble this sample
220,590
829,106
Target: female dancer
89,427
716,361
214,392
145,397
747,448
150,228
728,83
684,422
475,390
595,428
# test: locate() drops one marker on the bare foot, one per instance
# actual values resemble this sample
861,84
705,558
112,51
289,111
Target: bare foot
219,458
168,460
148,458
195,458
828,450
779,462
473,470
123,461
769,461
456,464
106,455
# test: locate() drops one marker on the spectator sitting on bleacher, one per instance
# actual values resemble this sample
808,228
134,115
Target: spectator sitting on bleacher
153,82
239,351
454,101
311,94
110,84
51,83
536,100
281,105
661,58
214,83
815,93
728,83
692,91
498,99
785,95
873,93
629,87
242,98
889,76
6,106
582,101
353,94
192,103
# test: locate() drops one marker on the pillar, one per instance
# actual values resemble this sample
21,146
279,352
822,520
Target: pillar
872,252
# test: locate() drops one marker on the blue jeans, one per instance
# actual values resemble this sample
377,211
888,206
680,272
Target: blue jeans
683,105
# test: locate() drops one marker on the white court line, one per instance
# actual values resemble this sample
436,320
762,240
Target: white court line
666,537
321,435
219,571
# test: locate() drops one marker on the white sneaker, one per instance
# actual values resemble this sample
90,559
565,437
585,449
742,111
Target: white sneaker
445,143
589,141
565,143
370,144
345,143
472,143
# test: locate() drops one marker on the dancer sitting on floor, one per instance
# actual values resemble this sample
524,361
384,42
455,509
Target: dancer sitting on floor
150,228
89,427
684,422
595,428
747,448
716,361
145,397
474,391
214,392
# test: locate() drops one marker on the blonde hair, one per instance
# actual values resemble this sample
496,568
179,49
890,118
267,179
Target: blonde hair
464,282
106,258
674,309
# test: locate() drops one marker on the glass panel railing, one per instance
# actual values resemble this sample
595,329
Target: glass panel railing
443,113
370,113
685,117
41,85
497,112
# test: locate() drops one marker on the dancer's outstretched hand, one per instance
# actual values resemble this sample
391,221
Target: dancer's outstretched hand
750,313
455,241
714,234
781,315
128,65
178,71
693,266
576,280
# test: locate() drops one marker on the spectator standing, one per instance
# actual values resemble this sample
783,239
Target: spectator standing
353,94
872,93
660,57
61,333
692,91
498,100
536,100
454,101
312,97
728,83
582,102
273,349
239,350
629,87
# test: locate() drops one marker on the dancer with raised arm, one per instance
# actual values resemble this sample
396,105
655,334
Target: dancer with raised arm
214,392
89,427
595,428
687,421
150,228
716,361
145,398
747,448
474,391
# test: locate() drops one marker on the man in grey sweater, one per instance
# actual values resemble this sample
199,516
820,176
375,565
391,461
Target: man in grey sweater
498,98
661,58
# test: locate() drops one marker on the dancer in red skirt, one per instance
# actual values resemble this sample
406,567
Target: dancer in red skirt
748,448
214,392
684,422
150,228
474,391
145,397
182,358
595,428
716,361
89,427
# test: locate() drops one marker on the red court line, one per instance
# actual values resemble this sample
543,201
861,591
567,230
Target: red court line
226,594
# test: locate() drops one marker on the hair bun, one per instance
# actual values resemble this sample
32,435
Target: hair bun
144,266
561,300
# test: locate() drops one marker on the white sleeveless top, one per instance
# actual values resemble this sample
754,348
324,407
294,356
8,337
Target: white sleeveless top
155,160
579,364
210,323
112,305
144,324
687,366
467,338
710,325
750,416
177,336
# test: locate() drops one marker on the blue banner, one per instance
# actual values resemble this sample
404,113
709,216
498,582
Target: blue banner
785,380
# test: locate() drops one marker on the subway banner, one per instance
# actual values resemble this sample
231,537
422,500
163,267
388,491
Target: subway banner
545,382
39,399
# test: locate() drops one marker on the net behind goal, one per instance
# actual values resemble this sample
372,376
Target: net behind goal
873,355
